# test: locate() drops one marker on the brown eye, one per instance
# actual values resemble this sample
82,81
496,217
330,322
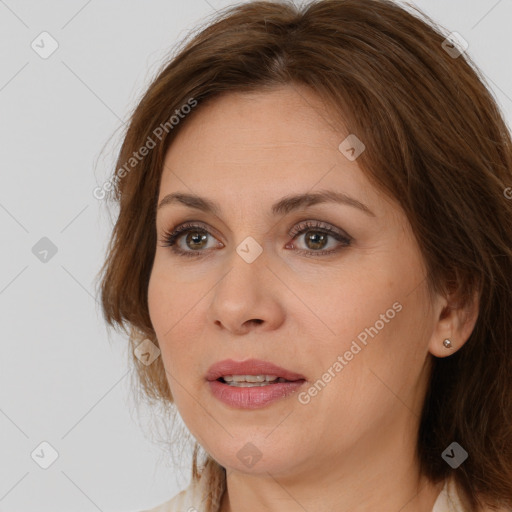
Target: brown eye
196,239
317,236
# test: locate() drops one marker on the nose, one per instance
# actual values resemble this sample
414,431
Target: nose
247,296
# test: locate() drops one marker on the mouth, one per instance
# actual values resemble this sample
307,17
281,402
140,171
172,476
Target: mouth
252,384
250,381
251,373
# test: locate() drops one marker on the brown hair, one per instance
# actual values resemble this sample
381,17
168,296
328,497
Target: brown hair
435,141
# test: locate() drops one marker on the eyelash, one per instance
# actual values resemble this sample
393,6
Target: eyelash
171,237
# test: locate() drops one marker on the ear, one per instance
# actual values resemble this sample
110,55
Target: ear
454,322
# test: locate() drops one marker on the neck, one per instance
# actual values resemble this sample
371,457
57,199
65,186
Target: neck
271,495
379,475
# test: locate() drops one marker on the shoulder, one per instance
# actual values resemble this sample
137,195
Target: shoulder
452,500
188,500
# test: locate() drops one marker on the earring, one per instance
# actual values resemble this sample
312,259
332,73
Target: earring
447,343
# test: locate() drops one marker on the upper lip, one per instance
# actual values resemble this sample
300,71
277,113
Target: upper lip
249,367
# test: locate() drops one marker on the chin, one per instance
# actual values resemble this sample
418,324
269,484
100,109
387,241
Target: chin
255,455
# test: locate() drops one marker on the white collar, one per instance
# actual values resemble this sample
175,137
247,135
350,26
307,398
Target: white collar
449,499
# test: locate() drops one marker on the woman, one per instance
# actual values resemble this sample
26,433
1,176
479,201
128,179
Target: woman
313,258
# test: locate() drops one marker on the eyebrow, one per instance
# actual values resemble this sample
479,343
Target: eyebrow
284,206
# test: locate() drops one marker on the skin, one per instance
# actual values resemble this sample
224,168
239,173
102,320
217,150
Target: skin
352,447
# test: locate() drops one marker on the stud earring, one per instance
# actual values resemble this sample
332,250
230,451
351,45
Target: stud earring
447,343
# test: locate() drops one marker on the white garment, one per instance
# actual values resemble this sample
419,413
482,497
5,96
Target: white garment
448,500
190,500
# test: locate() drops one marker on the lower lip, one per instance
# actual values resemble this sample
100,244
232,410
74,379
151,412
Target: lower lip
253,397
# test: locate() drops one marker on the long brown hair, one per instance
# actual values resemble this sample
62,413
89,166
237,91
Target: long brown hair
435,141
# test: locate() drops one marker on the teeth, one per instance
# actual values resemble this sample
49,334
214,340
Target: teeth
246,381
250,378
248,384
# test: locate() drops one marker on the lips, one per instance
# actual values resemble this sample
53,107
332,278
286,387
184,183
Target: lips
250,367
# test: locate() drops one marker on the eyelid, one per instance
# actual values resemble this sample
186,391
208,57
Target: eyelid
192,224
343,239
320,224
312,224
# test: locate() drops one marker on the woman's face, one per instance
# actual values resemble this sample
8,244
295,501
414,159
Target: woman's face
352,318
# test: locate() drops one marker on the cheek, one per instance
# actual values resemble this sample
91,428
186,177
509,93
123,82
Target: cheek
353,303
173,310
157,300
167,298
374,320
165,311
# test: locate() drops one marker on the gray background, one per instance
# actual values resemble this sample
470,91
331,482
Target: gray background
62,381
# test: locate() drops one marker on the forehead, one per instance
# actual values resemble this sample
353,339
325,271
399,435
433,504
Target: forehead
266,144
259,121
